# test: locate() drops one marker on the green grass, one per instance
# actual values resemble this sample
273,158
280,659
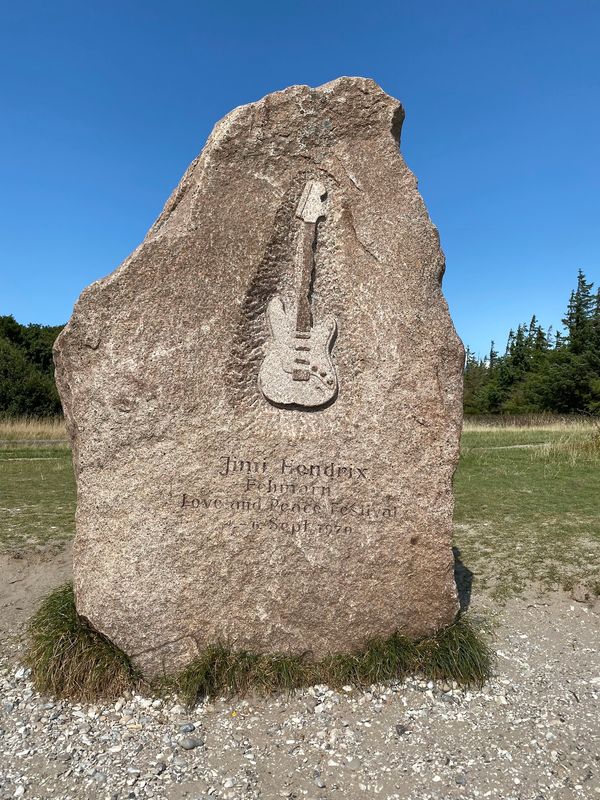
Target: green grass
529,514
69,659
37,496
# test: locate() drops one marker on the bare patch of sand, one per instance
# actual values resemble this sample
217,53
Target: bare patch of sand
28,575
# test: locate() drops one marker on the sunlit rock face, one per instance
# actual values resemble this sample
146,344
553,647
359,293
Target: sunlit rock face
264,399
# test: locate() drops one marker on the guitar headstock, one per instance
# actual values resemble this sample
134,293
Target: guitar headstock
312,206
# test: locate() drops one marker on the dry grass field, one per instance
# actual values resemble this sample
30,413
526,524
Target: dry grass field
30,429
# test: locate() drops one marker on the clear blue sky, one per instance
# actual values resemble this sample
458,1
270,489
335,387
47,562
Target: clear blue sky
104,104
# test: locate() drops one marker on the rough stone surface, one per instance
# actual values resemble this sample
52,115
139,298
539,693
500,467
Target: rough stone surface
207,513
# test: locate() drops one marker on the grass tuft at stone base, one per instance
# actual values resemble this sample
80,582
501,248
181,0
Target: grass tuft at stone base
69,659
458,653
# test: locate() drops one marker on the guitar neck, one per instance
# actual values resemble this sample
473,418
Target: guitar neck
306,259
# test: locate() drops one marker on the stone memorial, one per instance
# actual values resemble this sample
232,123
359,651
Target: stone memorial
265,399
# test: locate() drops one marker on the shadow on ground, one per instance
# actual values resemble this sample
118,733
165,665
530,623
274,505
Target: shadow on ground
464,580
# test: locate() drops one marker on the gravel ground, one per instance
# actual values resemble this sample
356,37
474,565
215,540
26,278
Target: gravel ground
532,733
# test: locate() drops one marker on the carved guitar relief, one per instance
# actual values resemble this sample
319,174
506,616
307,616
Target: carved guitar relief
297,369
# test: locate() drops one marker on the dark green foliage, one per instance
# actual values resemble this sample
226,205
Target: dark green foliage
27,385
578,319
539,372
69,659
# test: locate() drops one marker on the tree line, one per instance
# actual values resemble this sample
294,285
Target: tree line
540,370
27,385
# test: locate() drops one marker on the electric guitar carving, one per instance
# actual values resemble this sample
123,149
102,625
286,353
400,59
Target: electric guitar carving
297,369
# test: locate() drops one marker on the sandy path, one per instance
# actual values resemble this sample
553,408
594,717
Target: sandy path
26,576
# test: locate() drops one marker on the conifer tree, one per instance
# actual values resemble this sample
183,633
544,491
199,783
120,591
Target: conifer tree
510,341
519,351
543,370
540,341
578,319
596,324
532,330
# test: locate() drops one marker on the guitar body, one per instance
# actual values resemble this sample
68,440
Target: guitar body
297,369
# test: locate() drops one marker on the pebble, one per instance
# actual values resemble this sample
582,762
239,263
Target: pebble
190,743
187,727
582,593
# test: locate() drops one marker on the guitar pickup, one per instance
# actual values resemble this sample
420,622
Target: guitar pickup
300,375
302,361
303,347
